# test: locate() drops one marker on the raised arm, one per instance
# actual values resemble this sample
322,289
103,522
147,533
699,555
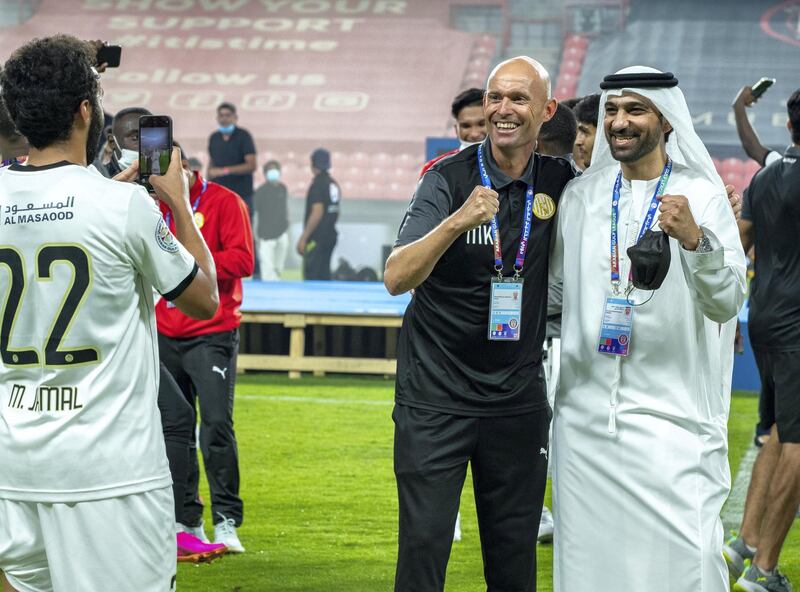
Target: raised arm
428,231
747,135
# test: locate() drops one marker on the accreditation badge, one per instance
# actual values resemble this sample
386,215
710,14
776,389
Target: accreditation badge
616,328
505,310
199,219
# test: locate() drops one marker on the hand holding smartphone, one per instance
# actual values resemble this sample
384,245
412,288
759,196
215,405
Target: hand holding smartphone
760,87
110,55
155,147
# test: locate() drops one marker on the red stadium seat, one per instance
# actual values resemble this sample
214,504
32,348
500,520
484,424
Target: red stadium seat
380,159
565,91
574,53
751,167
298,188
733,166
480,63
570,67
359,159
566,78
406,159
474,79
352,173
576,41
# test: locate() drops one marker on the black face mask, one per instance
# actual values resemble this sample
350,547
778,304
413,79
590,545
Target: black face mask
650,259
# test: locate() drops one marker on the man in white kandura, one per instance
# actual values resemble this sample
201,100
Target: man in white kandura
641,411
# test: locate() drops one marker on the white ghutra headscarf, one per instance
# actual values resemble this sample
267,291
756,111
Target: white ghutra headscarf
683,146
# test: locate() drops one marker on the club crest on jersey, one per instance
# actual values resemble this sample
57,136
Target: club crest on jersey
543,206
164,237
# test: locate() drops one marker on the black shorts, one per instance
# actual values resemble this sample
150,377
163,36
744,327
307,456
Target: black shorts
780,392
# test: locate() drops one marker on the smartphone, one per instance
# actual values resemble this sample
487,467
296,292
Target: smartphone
155,147
760,87
109,54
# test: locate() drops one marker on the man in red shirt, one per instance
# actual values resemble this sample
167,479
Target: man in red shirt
201,355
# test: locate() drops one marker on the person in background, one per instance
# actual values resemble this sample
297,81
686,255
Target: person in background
125,136
771,222
272,222
556,138
747,135
571,102
232,157
763,156
232,154
316,243
201,356
586,112
557,135
13,145
470,122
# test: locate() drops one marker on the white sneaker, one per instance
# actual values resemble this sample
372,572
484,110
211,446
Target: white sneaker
457,533
225,533
546,526
198,531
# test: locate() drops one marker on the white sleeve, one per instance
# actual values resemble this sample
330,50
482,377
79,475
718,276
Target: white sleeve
555,281
716,279
771,157
154,250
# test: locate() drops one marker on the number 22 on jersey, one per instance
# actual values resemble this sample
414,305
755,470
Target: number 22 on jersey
47,257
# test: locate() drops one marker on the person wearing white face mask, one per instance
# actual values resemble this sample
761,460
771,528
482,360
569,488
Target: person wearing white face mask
125,132
270,205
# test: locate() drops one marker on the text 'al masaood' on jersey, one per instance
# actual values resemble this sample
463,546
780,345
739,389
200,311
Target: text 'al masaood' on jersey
79,256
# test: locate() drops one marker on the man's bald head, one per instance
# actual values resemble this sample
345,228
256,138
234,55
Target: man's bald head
525,66
516,103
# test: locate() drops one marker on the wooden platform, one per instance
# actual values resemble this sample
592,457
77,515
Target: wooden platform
320,305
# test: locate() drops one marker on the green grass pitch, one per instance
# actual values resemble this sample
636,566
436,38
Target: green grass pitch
320,498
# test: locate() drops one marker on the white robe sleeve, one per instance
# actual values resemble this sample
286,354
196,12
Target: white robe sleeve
555,281
716,279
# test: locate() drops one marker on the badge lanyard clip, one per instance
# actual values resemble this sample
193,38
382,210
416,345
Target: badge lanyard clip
527,224
648,222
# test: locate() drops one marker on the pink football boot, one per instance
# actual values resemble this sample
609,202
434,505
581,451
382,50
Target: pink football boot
193,550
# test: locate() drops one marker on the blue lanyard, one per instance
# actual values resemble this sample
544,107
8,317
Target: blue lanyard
195,205
526,224
648,220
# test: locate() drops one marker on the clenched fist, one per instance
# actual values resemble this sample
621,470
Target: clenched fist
676,220
480,207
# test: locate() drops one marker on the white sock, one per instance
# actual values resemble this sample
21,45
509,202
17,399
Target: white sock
765,572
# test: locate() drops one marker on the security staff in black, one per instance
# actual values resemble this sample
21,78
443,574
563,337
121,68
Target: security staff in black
462,397
771,223
319,235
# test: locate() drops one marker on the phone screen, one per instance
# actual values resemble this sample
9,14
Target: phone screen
155,146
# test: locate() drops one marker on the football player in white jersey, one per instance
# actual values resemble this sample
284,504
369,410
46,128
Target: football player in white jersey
79,256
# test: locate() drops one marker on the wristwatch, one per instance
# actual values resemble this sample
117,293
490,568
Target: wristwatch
703,245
